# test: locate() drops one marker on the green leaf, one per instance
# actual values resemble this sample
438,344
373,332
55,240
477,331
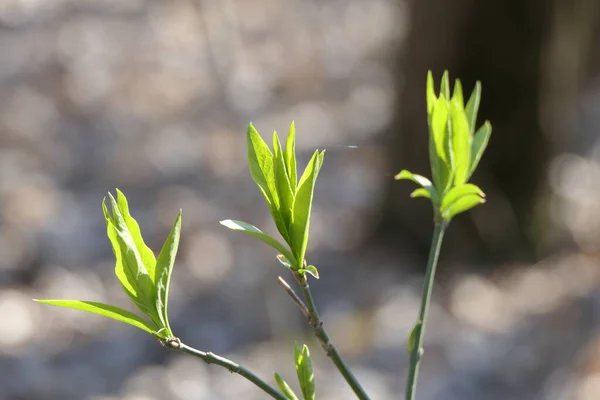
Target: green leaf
260,163
284,261
438,145
420,180
302,207
290,156
480,142
282,182
461,143
127,280
430,91
285,388
146,254
164,269
458,93
311,269
130,264
473,106
106,310
459,191
257,233
305,373
445,86
412,338
420,192
463,204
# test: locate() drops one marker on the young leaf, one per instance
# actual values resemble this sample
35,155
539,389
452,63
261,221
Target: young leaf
445,86
285,388
410,344
260,163
284,261
438,145
164,269
420,192
257,233
459,191
127,279
458,93
311,269
431,97
105,310
146,254
420,180
462,204
133,267
480,141
473,106
305,373
301,210
461,143
290,156
282,182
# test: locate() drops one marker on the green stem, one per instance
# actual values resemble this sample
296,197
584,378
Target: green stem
417,347
231,366
321,334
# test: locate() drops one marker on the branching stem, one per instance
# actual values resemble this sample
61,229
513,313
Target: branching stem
317,326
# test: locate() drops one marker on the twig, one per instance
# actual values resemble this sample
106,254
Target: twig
417,347
294,297
317,325
233,367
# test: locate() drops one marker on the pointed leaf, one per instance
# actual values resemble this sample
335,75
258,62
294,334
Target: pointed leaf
458,93
461,143
480,141
438,145
257,233
445,85
420,180
164,269
127,280
282,182
260,163
473,106
430,91
412,338
132,265
305,373
285,388
290,156
463,204
302,207
105,310
146,254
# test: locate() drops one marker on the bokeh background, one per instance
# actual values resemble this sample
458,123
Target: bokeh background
153,97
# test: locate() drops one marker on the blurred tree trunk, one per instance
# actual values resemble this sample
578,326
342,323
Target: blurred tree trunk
507,45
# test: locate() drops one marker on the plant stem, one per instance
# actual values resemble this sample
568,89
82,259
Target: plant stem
321,334
231,366
417,349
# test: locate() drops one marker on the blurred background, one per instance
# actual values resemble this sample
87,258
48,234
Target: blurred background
153,97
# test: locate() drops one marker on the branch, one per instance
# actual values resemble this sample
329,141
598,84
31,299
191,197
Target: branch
317,326
416,352
231,366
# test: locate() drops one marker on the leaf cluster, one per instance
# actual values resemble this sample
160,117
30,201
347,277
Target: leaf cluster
455,149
